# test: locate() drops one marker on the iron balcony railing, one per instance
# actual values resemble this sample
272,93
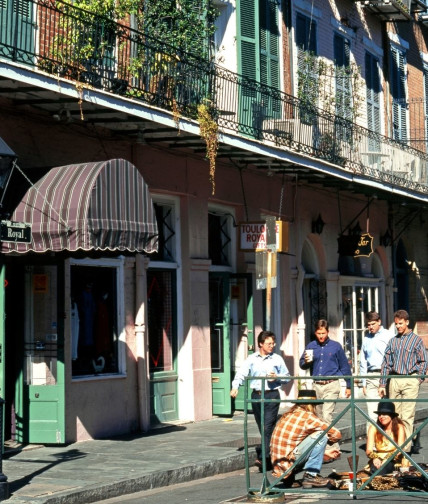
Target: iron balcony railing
72,43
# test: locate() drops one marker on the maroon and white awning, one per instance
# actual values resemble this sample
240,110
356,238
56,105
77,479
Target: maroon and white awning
92,206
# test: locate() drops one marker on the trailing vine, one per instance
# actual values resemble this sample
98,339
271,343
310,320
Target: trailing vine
209,132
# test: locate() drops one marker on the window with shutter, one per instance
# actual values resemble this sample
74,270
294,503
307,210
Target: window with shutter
342,52
17,30
373,98
398,91
258,60
308,83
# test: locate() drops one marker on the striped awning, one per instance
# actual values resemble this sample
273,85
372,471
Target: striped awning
92,206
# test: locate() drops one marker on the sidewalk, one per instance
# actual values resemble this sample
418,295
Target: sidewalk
94,470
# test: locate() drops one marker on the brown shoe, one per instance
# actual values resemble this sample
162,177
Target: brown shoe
310,481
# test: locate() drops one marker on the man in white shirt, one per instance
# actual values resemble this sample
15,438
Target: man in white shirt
371,356
264,363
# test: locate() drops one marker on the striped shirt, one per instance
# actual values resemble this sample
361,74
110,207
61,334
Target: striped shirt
292,428
404,355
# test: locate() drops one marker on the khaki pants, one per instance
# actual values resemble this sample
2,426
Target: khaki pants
328,391
405,388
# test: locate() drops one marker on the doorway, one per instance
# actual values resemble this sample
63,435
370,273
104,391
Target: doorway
232,334
34,354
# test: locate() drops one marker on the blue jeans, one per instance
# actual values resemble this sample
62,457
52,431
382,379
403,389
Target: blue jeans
270,418
312,461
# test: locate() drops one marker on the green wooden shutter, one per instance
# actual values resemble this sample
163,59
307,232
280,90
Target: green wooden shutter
373,98
398,89
249,112
248,45
17,30
269,53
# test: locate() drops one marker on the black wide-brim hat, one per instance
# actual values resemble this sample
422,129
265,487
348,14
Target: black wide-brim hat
386,408
306,394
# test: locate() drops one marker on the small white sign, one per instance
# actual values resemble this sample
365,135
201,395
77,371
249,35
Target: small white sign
252,235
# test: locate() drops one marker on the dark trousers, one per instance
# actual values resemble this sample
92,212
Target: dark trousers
270,416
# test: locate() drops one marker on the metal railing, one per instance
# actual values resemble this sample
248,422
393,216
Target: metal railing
348,411
74,44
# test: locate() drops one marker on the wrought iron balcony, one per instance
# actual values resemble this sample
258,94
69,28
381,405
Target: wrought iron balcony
391,10
98,53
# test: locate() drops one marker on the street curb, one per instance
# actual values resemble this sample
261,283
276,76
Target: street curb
150,481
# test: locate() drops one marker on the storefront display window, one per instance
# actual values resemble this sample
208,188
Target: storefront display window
161,314
41,335
94,333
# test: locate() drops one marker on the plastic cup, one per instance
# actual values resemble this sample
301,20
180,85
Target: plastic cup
310,354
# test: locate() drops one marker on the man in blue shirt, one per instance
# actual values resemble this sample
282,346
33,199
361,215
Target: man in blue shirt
371,356
328,359
264,363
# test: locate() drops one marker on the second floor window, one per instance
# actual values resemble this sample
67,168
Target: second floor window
373,91
342,53
308,85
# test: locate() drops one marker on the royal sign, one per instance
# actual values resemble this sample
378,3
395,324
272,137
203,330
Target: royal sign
252,236
11,231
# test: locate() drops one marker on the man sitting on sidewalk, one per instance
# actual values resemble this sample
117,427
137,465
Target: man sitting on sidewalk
294,433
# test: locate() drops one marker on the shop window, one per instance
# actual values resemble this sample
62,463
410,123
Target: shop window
161,317
166,241
357,300
94,320
219,239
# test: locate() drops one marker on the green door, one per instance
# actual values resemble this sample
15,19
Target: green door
40,402
242,296
17,30
231,323
220,342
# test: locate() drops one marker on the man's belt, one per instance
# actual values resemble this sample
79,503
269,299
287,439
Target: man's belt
374,371
259,392
323,382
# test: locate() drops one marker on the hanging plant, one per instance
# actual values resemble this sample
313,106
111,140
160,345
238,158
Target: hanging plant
209,132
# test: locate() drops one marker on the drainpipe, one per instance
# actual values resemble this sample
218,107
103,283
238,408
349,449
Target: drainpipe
143,375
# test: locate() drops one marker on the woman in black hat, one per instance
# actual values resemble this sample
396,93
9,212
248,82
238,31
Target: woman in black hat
379,447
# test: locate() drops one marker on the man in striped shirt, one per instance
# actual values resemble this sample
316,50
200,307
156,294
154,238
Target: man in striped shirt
293,436
405,354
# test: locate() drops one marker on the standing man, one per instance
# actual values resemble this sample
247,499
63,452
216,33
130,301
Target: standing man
371,356
325,357
405,354
264,363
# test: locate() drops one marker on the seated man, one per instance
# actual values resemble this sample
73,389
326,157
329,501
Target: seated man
293,435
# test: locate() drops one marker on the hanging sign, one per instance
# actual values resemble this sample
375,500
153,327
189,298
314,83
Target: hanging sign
11,231
364,246
356,246
252,236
